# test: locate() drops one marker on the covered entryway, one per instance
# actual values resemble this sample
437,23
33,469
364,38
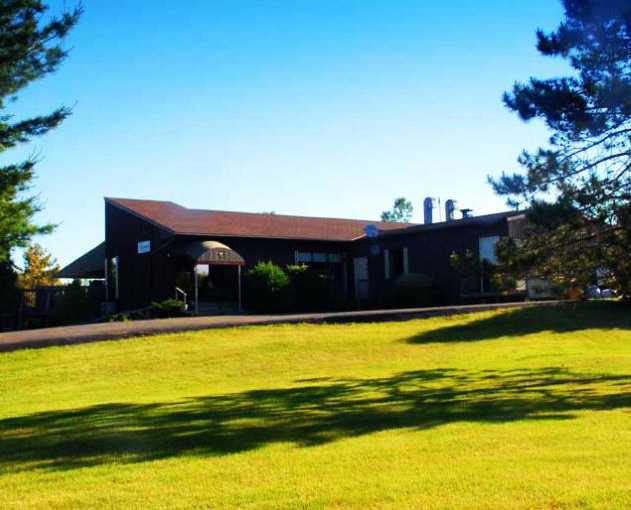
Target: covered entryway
216,274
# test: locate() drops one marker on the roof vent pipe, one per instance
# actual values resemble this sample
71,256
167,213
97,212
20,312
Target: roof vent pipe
451,206
428,210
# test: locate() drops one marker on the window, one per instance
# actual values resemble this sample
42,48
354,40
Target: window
487,248
396,262
317,257
303,256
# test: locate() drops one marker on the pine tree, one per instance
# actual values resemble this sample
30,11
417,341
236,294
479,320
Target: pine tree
578,187
29,49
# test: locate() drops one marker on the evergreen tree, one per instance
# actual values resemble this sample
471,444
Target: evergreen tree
578,187
29,49
401,212
9,297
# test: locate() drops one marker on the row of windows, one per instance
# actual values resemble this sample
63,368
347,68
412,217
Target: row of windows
316,256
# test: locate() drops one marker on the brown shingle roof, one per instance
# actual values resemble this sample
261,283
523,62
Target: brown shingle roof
88,265
180,220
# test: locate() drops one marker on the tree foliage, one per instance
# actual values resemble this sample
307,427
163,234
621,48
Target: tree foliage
401,212
30,48
578,187
40,268
9,295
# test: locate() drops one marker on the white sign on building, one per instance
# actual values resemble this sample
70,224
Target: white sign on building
144,246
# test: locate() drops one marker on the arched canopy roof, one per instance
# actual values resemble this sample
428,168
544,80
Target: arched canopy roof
210,252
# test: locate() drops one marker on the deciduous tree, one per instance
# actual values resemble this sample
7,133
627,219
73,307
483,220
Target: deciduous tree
401,212
40,268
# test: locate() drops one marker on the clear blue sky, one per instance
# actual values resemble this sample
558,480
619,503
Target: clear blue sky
328,108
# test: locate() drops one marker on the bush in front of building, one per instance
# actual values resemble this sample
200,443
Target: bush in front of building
267,288
294,288
168,308
157,310
413,289
77,304
310,289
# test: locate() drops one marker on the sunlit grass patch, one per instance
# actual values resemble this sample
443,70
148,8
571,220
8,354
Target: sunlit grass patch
517,409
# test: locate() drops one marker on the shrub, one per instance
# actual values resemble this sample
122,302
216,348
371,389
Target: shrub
413,289
310,290
168,308
77,304
157,310
267,288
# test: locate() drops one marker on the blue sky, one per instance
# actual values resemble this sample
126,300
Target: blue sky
327,108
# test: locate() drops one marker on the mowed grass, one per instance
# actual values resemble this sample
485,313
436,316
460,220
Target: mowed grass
519,409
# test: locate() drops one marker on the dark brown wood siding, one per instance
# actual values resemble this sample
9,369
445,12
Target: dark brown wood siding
429,254
142,277
151,276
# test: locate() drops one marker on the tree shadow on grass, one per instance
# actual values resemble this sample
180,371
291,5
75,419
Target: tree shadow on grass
524,321
303,416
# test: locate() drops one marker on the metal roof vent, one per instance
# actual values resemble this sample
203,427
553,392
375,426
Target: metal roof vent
428,210
451,206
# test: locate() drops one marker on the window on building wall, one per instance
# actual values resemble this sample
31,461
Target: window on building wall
396,262
303,256
487,248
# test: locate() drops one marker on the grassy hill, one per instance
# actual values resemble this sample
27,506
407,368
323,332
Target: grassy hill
514,409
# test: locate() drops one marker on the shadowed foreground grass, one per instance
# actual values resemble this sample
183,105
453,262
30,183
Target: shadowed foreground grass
517,409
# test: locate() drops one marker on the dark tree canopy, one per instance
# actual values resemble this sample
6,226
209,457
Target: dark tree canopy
29,49
401,212
578,188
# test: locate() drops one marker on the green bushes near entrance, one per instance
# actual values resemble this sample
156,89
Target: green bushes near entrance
267,288
157,310
310,290
295,288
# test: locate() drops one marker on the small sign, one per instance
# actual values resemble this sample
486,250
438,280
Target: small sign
202,269
144,246
371,231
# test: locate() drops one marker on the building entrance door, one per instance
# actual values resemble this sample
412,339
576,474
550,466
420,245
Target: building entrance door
360,267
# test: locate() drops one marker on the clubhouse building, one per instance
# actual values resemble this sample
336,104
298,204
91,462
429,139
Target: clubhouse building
154,250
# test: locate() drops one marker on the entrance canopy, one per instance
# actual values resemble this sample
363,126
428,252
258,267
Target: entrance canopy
211,252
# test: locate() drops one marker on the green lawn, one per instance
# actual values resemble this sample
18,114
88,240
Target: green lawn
520,409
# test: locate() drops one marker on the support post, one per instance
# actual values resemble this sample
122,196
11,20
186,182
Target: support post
239,289
196,291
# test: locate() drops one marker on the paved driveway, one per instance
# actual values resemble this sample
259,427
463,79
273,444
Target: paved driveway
64,335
